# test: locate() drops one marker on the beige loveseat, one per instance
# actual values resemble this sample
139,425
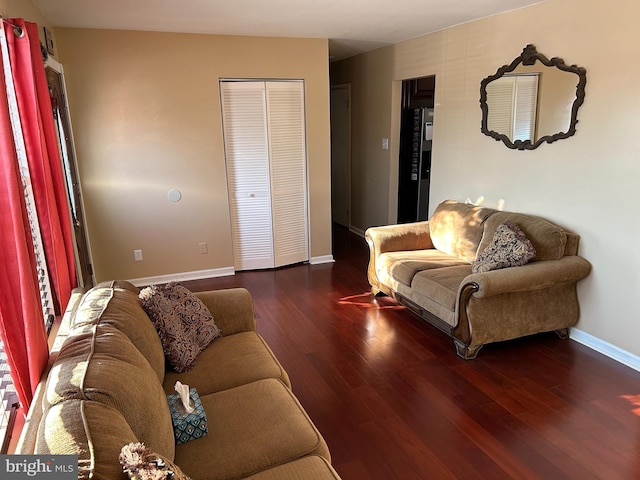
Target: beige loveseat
427,266
106,386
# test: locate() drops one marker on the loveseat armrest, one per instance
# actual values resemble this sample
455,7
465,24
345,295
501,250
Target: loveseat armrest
404,236
394,238
532,276
518,301
232,309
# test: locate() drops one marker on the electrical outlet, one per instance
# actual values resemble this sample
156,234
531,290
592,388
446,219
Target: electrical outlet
202,248
137,255
385,144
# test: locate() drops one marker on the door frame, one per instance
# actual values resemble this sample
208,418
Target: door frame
84,260
402,97
347,87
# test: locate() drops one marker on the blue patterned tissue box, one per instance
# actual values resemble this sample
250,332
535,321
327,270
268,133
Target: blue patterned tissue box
187,426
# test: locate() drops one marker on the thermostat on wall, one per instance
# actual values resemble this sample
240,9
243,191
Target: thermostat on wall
174,195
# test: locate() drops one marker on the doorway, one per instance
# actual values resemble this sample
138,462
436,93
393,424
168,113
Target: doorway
57,91
416,140
341,154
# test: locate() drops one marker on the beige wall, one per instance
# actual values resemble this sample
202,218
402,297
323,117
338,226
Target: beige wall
146,115
26,9
587,183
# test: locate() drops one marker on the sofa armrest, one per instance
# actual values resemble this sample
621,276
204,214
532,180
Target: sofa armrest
405,236
394,238
29,433
232,309
532,276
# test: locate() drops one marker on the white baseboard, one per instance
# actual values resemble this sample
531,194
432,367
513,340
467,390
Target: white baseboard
321,259
211,273
183,277
611,351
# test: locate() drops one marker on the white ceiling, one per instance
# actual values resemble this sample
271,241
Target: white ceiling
352,26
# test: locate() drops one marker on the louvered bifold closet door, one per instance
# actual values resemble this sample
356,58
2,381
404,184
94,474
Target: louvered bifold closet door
265,150
247,158
287,149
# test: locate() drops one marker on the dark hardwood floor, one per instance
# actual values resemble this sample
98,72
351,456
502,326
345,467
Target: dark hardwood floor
393,400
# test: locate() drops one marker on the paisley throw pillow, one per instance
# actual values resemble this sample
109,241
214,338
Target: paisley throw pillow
510,247
183,322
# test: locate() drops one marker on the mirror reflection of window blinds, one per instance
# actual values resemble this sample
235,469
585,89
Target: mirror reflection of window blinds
512,101
500,103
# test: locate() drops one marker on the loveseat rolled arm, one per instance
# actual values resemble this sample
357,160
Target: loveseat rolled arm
462,332
394,238
529,277
513,302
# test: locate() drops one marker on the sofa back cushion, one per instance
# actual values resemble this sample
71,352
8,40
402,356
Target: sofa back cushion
99,363
116,303
548,239
456,228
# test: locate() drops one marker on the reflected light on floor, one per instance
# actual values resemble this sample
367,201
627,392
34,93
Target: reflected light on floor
381,339
367,300
634,400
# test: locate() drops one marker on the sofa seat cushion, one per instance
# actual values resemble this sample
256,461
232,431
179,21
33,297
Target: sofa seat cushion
229,362
251,428
93,431
307,468
441,285
404,265
99,363
117,304
548,240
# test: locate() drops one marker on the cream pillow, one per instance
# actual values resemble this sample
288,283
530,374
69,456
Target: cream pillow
141,463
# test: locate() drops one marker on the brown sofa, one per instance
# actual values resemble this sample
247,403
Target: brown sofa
427,266
107,382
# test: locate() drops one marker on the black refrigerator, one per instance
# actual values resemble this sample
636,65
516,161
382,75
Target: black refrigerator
414,175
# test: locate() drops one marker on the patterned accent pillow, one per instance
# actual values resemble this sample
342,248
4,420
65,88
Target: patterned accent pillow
510,247
183,322
141,463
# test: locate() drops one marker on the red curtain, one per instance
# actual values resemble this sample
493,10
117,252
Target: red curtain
21,319
43,155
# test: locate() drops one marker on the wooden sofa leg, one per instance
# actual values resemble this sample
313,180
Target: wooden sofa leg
562,333
465,351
